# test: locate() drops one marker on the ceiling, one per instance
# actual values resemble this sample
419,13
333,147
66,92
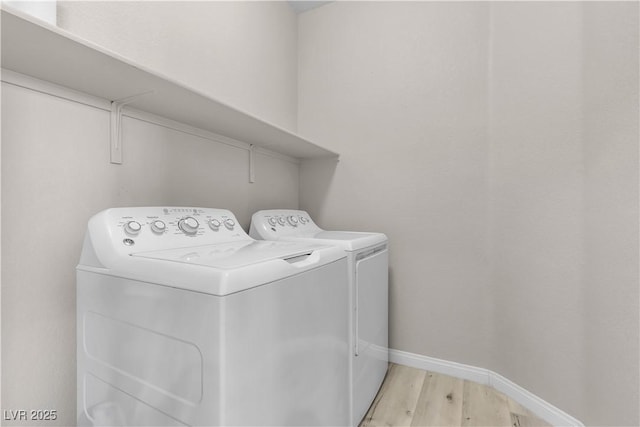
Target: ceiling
300,6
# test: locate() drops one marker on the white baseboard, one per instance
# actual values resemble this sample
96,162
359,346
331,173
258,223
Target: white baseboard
454,369
538,406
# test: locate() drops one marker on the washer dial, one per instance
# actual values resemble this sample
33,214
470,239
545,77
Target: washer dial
158,226
229,223
188,225
292,220
272,221
281,220
132,227
303,220
214,224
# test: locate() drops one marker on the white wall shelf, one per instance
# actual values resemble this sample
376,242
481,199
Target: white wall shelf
37,49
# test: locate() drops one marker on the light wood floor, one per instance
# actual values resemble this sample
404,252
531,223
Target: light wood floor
412,397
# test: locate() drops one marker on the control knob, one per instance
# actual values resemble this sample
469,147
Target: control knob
188,225
229,223
303,220
132,227
272,221
292,220
281,220
214,224
158,226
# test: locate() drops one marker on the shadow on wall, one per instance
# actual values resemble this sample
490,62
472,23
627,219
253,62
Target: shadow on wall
391,303
316,177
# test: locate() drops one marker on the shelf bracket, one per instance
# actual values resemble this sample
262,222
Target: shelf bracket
115,134
252,172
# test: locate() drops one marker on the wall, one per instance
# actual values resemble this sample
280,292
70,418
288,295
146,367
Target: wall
496,145
56,174
536,196
400,90
610,132
564,194
242,53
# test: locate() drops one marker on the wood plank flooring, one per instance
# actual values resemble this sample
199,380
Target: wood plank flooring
412,397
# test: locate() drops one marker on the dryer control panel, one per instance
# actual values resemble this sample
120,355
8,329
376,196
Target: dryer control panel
279,223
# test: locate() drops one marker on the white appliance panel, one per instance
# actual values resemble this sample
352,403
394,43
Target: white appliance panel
368,261
200,359
295,365
371,329
157,346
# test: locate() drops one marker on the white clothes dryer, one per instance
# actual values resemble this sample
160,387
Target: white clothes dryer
368,261
183,319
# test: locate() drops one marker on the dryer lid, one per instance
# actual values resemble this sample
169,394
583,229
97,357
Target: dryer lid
232,255
347,240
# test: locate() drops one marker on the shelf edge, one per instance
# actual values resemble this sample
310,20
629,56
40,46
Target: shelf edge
8,12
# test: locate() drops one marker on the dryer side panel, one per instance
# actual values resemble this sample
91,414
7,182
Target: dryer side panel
370,330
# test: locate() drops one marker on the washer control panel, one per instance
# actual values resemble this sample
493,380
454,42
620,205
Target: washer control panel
156,228
280,223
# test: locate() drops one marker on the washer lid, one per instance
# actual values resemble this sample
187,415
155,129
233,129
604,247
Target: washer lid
232,255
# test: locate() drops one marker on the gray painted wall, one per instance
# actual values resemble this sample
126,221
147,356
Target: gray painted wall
242,53
610,134
536,198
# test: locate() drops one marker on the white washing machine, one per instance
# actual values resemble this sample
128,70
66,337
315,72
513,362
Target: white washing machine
183,319
368,261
